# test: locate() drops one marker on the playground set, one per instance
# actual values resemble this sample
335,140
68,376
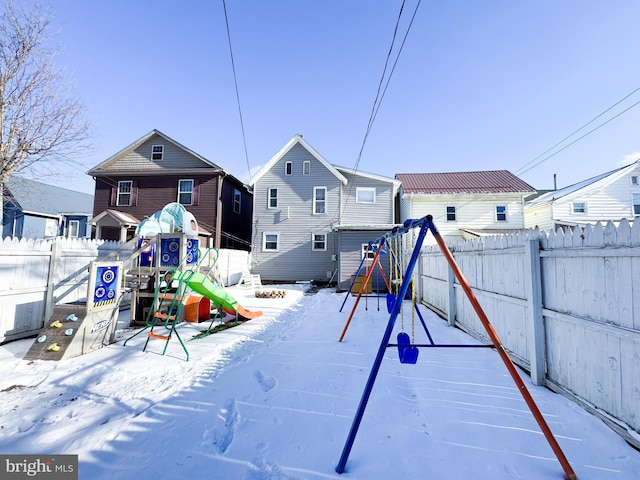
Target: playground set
169,280
401,287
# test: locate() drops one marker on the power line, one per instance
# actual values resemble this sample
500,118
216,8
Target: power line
235,81
380,96
380,93
522,169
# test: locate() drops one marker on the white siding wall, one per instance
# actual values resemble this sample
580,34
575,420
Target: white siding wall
539,216
609,202
294,220
607,199
472,211
359,213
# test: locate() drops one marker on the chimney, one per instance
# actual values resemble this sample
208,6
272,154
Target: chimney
555,185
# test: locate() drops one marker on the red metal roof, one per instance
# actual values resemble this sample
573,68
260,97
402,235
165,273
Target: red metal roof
493,181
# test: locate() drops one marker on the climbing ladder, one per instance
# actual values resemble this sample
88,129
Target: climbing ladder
165,310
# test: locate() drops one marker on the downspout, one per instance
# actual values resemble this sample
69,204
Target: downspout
218,232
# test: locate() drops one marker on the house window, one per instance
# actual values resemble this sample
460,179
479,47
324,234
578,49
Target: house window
579,207
319,241
451,214
270,242
636,203
237,201
365,195
74,228
156,152
185,192
635,181
369,250
124,193
501,213
306,167
273,198
288,168
319,200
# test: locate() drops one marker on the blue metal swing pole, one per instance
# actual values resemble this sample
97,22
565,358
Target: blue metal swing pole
415,307
425,224
355,278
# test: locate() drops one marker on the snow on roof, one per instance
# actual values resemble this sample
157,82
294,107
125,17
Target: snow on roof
561,192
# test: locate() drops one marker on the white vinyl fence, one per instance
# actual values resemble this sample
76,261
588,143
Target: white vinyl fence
35,275
565,306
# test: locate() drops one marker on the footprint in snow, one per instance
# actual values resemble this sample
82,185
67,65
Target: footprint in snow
266,383
259,469
223,425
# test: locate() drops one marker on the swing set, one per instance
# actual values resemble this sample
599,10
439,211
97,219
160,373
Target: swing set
369,268
408,350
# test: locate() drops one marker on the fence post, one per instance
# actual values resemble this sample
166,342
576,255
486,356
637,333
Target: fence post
49,300
451,288
533,289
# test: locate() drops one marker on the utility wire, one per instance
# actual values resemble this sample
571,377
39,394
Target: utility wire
381,91
583,136
380,96
396,61
523,169
532,165
235,80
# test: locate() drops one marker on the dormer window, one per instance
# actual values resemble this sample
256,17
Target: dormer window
156,152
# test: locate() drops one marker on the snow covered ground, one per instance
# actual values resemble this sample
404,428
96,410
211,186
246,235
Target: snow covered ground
274,399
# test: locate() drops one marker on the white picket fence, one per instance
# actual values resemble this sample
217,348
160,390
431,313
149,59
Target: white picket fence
35,275
566,306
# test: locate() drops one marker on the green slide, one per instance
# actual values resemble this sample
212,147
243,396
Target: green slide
201,284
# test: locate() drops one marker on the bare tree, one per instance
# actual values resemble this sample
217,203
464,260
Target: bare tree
40,120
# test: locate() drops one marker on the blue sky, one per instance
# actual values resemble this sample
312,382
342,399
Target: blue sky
479,85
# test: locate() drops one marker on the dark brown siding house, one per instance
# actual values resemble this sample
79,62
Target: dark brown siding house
156,170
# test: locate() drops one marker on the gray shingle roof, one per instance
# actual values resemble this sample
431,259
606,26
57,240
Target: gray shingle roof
47,199
492,181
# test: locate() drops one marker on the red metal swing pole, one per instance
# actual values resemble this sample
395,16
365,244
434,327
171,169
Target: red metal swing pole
506,359
362,289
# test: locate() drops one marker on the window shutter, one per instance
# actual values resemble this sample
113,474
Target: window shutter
134,193
196,193
114,196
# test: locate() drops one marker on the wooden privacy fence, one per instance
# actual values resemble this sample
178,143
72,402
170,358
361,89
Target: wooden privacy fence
566,306
35,275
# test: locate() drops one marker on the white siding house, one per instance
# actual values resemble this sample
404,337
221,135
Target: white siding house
610,196
465,204
310,217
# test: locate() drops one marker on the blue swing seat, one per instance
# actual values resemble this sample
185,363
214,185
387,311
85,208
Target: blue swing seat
406,352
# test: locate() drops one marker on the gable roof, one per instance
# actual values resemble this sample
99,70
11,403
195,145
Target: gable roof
566,191
40,198
121,218
373,176
491,181
297,139
110,165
